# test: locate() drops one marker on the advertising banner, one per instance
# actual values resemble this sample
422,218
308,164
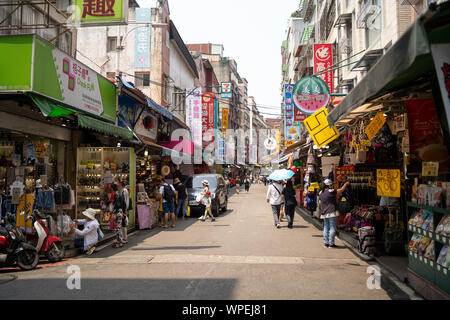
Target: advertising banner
142,39
208,118
125,118
292,130
194,114
323,59
221,147
99,12
441,56
310,95
375,125
388,183
340,172
29,63
226,90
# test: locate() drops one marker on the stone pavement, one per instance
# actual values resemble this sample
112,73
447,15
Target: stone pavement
240,256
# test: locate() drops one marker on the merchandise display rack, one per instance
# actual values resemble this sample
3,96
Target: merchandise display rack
422,266
95,171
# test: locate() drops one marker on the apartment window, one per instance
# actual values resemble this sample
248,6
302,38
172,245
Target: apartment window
142,79
112,44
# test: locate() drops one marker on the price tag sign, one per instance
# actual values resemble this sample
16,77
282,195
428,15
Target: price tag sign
430,169
388,183
375,125
319,129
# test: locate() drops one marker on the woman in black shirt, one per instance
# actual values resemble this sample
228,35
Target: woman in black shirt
290,202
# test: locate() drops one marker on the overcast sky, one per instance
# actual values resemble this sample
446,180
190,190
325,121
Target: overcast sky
251,32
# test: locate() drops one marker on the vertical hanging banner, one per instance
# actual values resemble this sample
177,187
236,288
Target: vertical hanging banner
225,112
441,56
142,39
194,114
208,121
293,117
323,59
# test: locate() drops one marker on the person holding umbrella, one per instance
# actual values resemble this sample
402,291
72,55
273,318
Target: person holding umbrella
274,198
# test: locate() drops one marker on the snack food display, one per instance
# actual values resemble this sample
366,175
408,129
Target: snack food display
425,214
442,259
428,223
429,252
413,216
424,243
412,241
443,227
417,217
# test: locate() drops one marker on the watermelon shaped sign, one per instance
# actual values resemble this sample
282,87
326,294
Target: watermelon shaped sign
311,94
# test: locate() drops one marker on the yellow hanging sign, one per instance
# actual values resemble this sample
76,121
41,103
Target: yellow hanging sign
319,129
375,125
388,183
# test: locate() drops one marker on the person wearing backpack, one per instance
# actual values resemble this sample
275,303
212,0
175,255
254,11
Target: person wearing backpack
169,195
274,198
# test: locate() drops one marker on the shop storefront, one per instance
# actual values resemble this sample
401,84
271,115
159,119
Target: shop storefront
406,163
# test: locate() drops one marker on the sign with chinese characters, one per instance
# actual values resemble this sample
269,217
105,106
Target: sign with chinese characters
55,75
441,56
292,117
319,129
323,59
125,117
221,147
99,12
430,169
226,90
310,94
375,125
142,39
388,183
194,114
340,172
225,113
208,122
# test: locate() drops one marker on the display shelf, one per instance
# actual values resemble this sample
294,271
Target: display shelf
443,277
434,209
422,266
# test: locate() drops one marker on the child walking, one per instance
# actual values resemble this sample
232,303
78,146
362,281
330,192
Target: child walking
207,203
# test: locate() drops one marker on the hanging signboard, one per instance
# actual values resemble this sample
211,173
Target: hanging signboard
340,172
194,113
323,59
226,90
388,183
225,112
441,56
292,130
319,129
99,12
31,64
375,125
430,169
147,126
208,106
310,94
125,117
142,39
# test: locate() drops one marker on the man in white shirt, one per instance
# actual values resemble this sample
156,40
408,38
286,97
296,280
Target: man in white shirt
274,198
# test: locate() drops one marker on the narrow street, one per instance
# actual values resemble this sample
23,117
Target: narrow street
240,256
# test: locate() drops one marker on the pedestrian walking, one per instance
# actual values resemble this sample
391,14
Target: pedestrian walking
125,200
206,200
181,198
90,234
330,215
168,194
200,196
238,186
290,202
274,198
247,185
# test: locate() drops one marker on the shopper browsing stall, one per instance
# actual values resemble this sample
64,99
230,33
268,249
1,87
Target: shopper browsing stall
89,234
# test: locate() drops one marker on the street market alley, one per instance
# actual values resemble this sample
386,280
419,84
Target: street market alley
239,256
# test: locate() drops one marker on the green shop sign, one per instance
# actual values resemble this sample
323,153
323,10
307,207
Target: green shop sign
99,12
31,64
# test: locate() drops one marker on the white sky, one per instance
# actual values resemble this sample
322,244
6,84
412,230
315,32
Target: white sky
251,32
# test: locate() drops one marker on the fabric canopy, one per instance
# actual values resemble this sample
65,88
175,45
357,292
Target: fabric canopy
48,108
94,124
152,104
407,60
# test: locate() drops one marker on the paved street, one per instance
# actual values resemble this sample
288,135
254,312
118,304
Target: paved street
240,256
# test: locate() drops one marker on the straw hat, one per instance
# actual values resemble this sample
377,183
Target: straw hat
205,182
89,213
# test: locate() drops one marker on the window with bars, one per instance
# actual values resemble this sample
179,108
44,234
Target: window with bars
142,79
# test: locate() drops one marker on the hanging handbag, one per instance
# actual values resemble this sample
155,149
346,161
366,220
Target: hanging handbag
361,155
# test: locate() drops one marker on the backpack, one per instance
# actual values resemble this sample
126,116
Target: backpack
169,195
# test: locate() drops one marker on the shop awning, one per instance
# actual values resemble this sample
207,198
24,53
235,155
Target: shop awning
152,104
49,108
97,125
285,158
407,60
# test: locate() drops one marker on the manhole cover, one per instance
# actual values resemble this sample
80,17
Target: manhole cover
5,278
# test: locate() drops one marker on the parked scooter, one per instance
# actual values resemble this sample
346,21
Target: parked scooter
13,247
48,246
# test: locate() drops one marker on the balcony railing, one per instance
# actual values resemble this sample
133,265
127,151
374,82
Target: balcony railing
306,9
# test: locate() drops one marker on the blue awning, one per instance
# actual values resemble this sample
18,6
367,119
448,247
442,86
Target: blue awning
126,84
152,104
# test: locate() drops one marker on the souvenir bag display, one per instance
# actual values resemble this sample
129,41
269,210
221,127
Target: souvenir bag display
367,240
361,155
384,142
